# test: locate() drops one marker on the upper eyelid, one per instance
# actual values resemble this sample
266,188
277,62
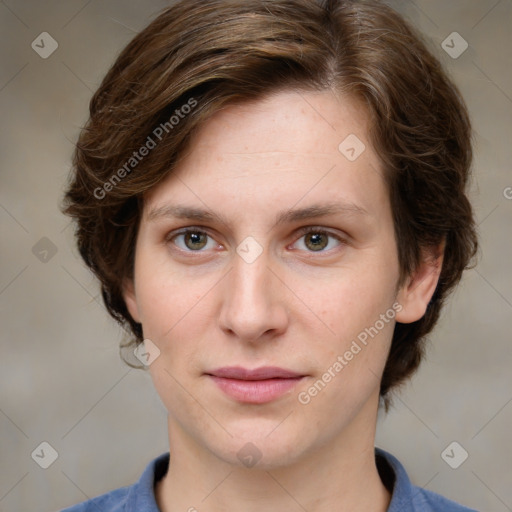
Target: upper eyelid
320,229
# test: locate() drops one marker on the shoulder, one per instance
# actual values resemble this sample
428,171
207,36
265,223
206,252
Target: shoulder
139,497
406,496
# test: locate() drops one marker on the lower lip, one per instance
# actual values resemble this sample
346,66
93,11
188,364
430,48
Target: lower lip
255,391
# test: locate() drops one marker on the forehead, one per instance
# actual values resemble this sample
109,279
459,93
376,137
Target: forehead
288,147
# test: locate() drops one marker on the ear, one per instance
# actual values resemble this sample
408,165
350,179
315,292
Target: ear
416,292
130,299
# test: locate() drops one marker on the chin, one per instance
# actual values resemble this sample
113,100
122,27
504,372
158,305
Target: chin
257,449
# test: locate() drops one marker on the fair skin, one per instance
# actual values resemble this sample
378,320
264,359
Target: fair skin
298,305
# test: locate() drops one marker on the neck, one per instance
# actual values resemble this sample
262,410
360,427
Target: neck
341,475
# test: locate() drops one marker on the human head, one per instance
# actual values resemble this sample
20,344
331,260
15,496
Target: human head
199,57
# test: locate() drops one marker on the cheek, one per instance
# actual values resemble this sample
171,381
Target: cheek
178,397
347,302
168,298
350,363
365,324
177,317
356,305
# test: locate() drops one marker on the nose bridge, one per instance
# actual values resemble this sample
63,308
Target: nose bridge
250,280
251,306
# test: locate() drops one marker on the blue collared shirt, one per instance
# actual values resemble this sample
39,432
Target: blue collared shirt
140,497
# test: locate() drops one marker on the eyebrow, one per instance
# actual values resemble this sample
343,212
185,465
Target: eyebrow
286,216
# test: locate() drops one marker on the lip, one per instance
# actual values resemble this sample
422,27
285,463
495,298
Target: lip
261,373
256,386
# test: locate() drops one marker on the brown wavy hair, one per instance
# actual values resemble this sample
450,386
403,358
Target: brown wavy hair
198,56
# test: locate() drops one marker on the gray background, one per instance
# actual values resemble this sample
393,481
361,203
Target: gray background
60,374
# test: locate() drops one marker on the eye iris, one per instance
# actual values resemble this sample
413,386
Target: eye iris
314,241
197,240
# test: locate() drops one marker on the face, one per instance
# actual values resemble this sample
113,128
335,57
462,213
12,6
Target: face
266,275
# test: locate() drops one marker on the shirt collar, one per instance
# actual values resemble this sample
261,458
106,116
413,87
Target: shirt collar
402,490
141,496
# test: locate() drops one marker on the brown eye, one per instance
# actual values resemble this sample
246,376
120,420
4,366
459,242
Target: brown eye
195,240
191,240
316,241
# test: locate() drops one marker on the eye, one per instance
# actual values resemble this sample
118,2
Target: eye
314,239
193,240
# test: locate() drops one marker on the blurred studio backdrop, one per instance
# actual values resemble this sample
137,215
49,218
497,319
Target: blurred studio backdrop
62,382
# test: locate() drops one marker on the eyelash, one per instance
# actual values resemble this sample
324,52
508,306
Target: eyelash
301,232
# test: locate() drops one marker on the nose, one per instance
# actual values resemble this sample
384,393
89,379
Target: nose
253,307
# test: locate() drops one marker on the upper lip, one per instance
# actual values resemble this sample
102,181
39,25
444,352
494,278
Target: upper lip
262,373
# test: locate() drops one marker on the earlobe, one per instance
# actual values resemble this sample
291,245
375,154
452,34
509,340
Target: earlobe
130,299
419,288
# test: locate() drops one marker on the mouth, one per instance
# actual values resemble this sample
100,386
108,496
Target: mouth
257,386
